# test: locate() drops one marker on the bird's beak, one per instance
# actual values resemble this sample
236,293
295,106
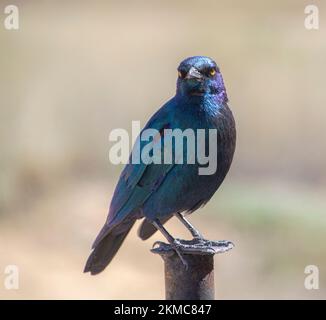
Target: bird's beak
193,73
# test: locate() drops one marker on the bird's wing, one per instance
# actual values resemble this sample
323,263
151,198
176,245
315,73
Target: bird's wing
137,181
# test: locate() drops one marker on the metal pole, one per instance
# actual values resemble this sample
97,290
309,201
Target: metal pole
196,281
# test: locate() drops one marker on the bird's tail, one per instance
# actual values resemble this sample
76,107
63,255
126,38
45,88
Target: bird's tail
106,248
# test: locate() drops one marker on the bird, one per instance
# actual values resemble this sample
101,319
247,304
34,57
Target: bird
156,192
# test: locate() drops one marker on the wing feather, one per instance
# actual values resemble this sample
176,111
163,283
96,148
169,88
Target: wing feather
137,181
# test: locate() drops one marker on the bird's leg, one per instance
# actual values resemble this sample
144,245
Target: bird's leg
172,241
194,232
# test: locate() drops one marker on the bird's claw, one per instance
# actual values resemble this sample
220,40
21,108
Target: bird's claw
158,244
199,238
177,247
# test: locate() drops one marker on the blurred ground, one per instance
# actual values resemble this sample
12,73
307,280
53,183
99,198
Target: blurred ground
75,71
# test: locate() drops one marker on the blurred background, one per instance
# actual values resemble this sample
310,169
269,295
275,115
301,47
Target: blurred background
75,70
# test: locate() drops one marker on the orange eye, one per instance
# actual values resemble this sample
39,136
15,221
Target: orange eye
212,72
182,73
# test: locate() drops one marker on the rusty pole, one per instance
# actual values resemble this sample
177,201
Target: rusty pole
196,280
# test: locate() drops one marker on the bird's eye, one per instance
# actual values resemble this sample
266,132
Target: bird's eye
181,74
212,72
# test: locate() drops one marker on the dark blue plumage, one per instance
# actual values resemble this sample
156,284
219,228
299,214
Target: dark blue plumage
157,191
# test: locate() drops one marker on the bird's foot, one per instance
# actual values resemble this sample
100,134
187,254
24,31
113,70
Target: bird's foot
176,245
195,246
198,238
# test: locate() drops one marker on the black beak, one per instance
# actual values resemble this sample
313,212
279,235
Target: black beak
193,73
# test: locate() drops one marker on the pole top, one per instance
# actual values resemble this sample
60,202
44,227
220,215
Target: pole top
193,247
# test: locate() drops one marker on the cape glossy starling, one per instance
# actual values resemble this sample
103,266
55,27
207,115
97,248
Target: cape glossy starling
158,191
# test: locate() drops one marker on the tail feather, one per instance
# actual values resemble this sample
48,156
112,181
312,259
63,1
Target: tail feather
105,250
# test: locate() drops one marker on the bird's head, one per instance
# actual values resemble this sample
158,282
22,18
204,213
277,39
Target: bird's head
200,76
